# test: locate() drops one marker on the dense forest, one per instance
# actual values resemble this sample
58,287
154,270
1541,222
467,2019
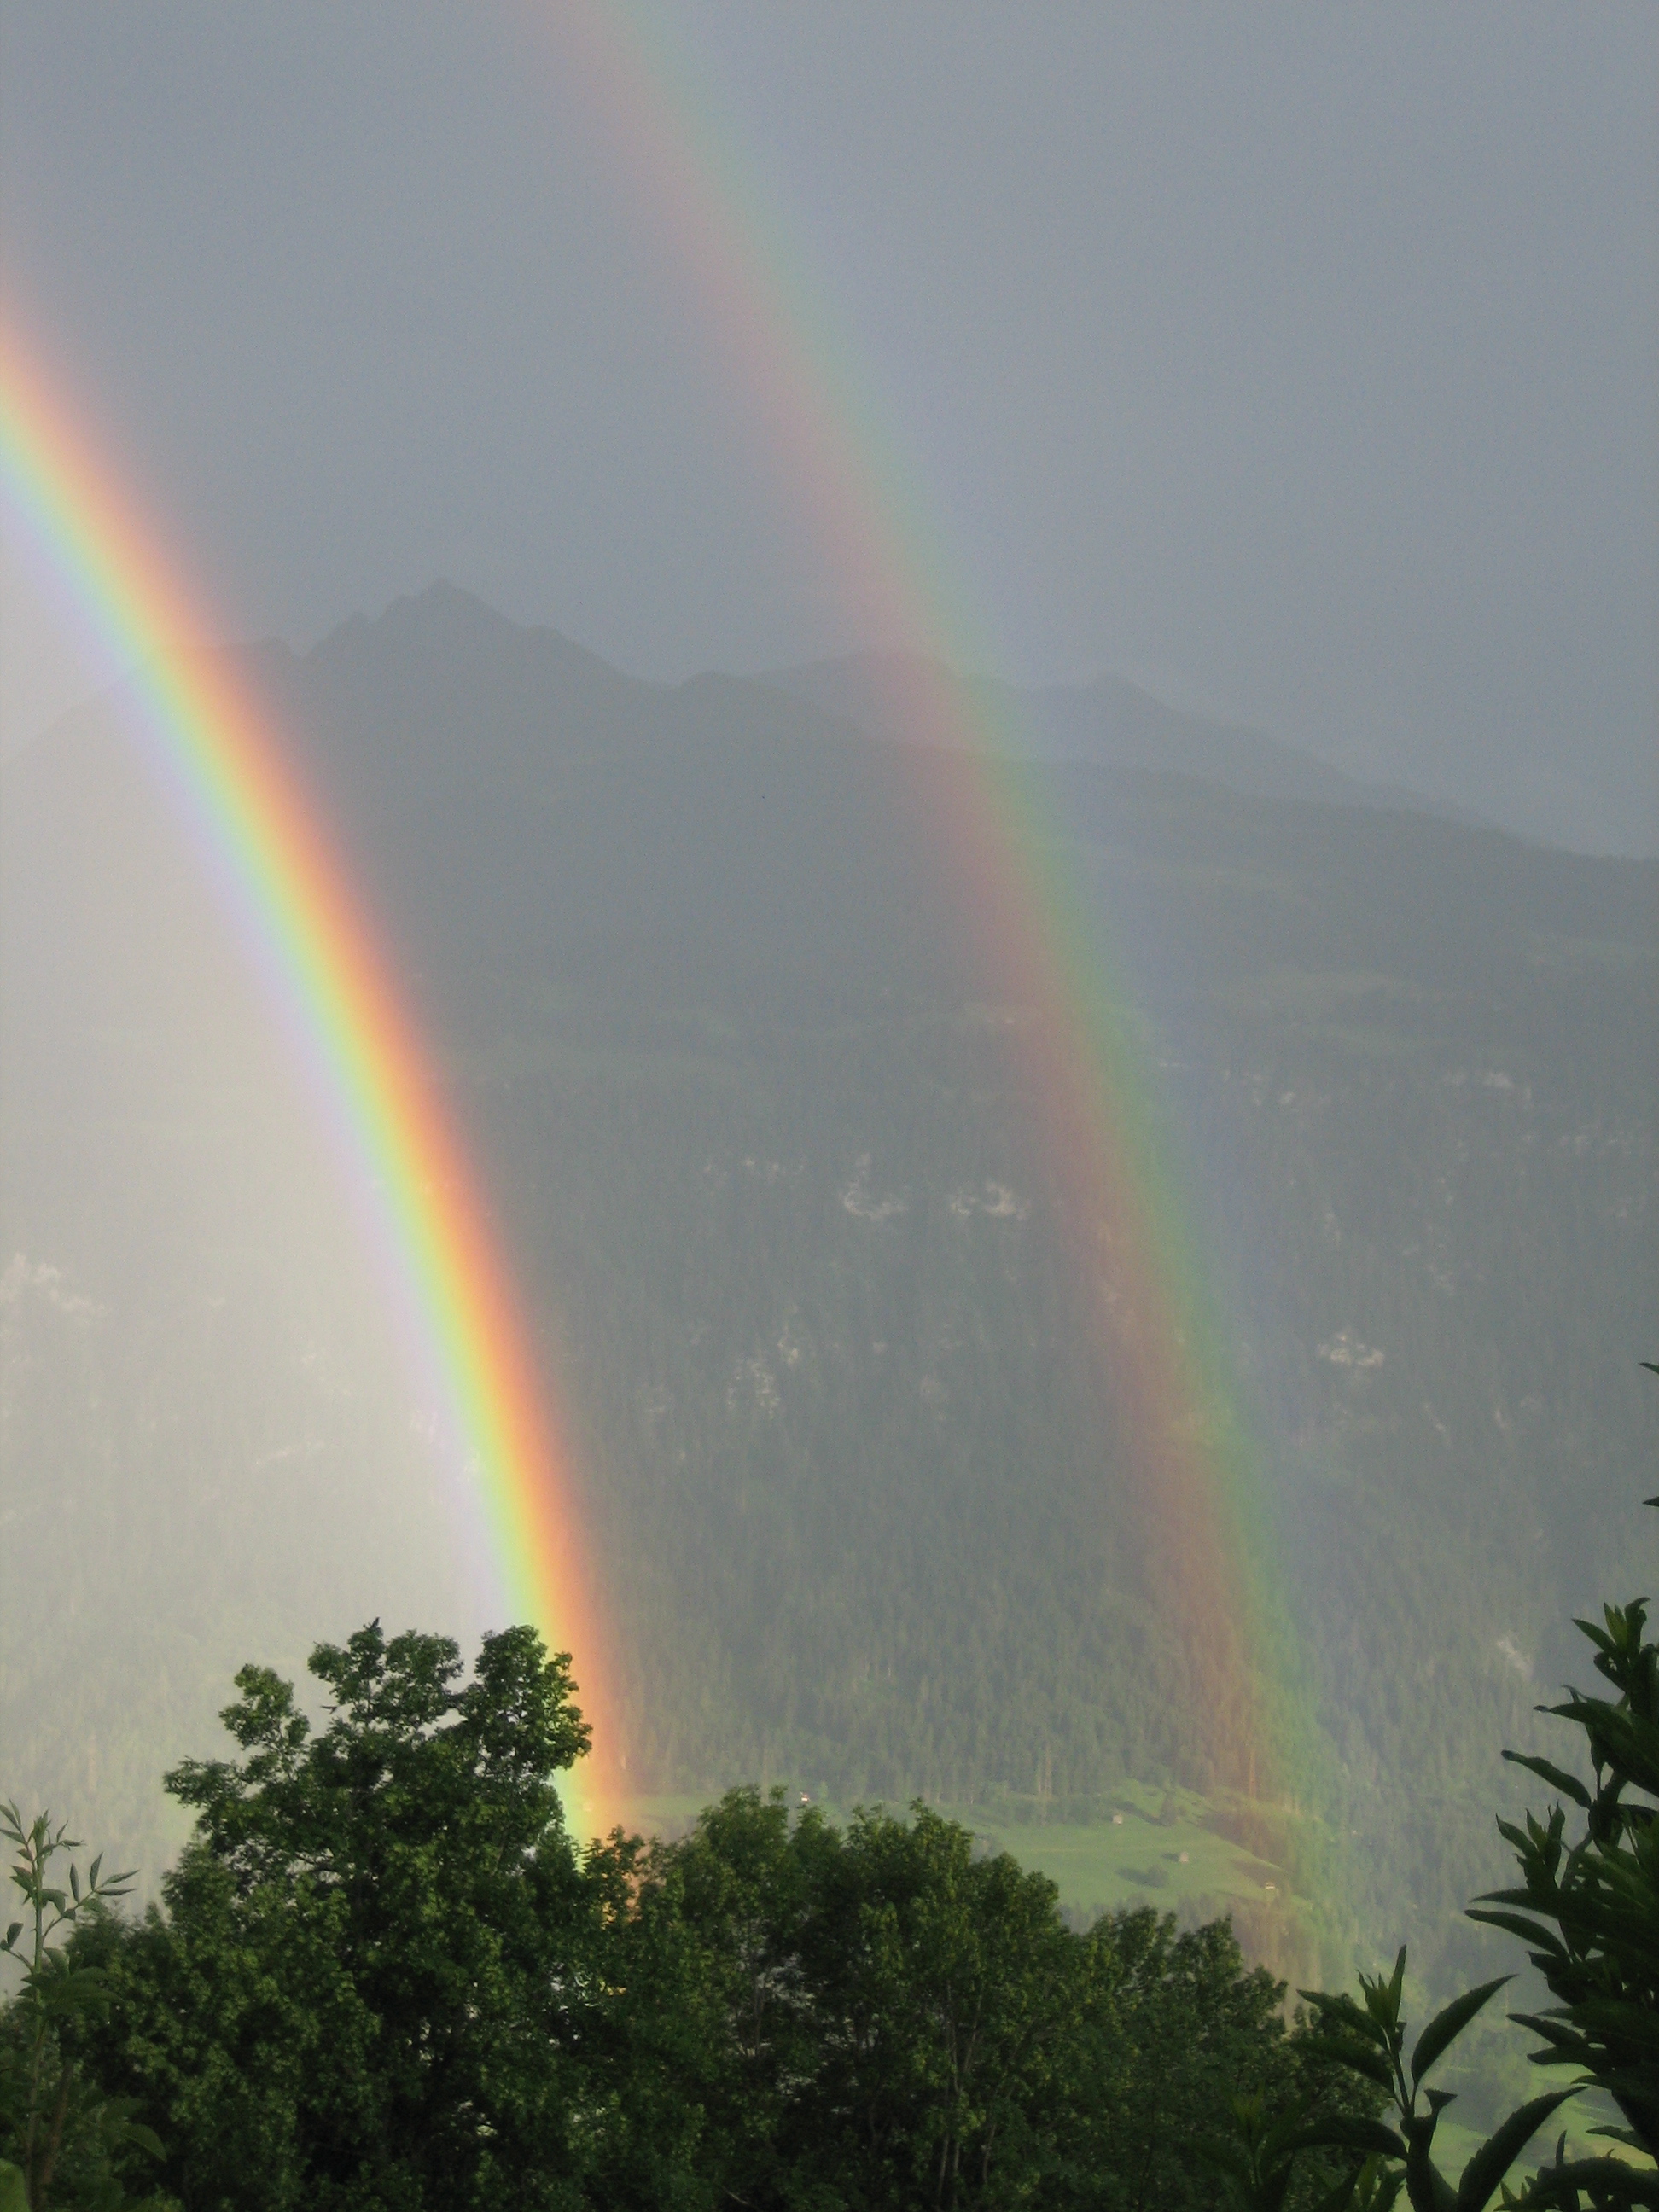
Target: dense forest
758,1134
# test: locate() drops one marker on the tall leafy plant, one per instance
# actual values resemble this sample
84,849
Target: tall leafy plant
39,2067
1587,1907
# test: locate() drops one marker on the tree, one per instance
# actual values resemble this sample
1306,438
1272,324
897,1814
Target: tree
361,1991
886,2016
947,1987
874,2016
1186,2030
382,1978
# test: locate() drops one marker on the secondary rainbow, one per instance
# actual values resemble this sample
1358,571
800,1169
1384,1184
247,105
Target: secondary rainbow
269,847
1097,1122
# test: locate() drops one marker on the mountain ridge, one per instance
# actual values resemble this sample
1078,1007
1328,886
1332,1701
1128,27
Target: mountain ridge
1108,721
894,696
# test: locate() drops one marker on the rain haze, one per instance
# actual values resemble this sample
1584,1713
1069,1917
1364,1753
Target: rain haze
875,924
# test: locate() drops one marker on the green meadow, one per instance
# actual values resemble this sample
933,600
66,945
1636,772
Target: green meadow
1155,1847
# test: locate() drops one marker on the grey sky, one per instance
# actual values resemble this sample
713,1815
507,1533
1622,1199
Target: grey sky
1299,362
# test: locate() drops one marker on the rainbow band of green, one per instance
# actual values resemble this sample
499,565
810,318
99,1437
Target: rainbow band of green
1099,1125
266,841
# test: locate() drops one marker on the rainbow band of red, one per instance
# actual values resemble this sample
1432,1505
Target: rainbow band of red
267,844
1096,1122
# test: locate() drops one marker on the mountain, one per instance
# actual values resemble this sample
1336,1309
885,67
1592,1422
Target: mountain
1110,723
758,1123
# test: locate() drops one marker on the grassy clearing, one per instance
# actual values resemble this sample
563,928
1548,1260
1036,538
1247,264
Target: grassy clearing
1152,1848
1155,1848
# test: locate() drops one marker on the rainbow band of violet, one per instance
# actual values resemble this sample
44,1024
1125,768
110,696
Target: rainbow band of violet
265,842
1098,1127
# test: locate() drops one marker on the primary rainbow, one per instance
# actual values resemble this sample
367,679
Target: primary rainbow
268,844
1098,1121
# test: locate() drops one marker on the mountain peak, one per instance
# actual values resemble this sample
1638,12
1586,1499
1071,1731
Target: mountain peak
442,618
446,631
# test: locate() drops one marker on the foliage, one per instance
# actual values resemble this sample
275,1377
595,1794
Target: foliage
381,1978
384,1979
888,2016
1369,2038
878,2011
356,1996
1589,1912
51,2120
1257,2164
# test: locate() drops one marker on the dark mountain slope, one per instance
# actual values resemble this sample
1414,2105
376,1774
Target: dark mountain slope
760,1139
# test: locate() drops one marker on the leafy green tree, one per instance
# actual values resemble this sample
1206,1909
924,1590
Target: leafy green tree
946,1987
884,2016
872,2017
1184,2030
361,1991
382,1978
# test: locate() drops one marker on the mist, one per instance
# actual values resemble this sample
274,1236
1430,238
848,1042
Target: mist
216,1448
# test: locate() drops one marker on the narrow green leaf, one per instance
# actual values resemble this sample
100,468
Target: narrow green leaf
1449,2023
1380,2186
1557,1776
1347,2131
1502,2148
1527,1930
1357,2058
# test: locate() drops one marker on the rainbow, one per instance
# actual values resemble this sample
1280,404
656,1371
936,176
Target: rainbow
266,842
1099,1128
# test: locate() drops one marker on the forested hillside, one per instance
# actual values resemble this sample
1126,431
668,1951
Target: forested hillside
758,1134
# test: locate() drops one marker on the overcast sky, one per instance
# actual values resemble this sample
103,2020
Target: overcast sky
1299,362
